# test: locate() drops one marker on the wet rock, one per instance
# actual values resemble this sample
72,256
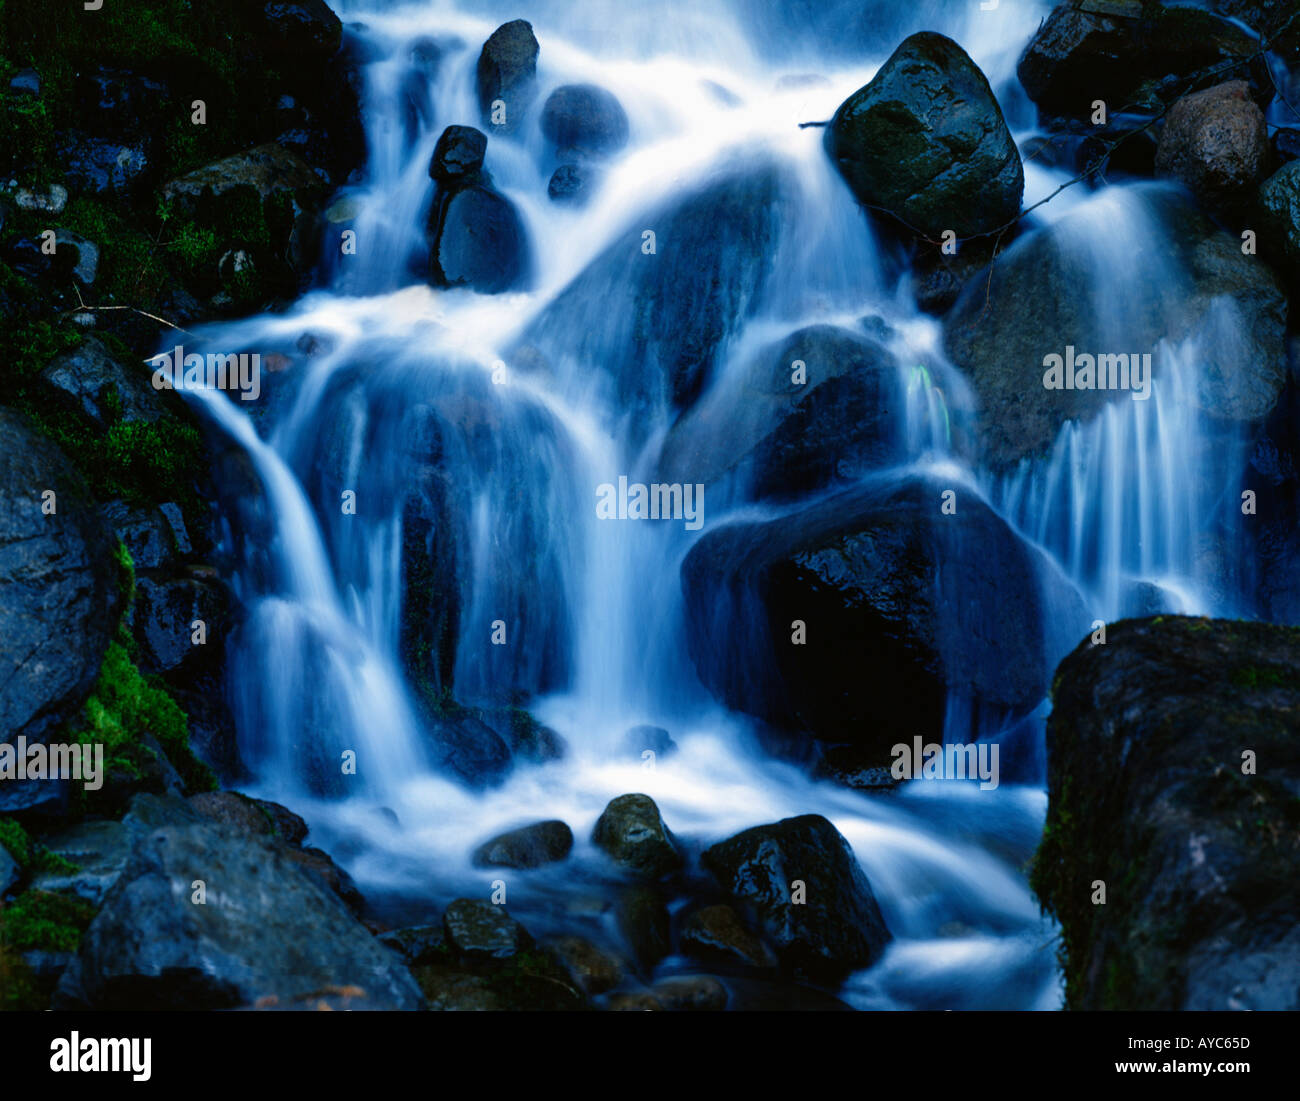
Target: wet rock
417,945
1200,280
591,967
527,847
258,817
656,739
60,583
269,932
468,747
633,834
269,169
640,1001
569,184
102,166
528,739
90,381
450,990
838,927
1279,206
642,919
507,72
321,866
51,200
925,140
98,849
690,993
1150,792
479,931
872,574
1129,55
584,120
163,617
306,28
146,533
717,933
477,240
1216,143
458,156
787,436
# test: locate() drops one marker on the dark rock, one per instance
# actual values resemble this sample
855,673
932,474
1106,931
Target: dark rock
98,850
306,28
631,832
717,933
528,739
569,184
1285,145
10,873
470,748
26,82
643,921
838,928
61,591
690,993
478,930
676,307
892,595
102,166
269,933
321,866
458,156
926,141
257,817
163,618
592,968
477,240
527,847
35,801
584,120
789,438
1130,56
507,71
995,333
1216,143
1149,792
418,945
91,382
1279,206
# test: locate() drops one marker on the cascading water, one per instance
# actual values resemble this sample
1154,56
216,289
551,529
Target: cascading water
397,397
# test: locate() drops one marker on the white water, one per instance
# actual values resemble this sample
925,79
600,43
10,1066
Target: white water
317,667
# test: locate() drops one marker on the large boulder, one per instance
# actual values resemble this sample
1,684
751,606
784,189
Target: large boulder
656,322
901,608
925,141
527,847
59,580
476,240
584,120
807,891
1216,142
1132,56
269,934
789,431
1178,277
633,834
507,72
1173,768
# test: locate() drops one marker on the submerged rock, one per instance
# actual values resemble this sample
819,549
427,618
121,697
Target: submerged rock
925,140
569,184
1173,767
837,927
458,156
631,831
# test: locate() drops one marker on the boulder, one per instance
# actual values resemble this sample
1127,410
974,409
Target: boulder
269,933
925,141
1279,230
1191,278
1216,143
590,966
1132,56
690,993
570,184
786,438
584,120
479,931
458,156
633,834
1173,768
717,933
642,918
477,240
163,617
507,72
60,581
90,381
838,927
527,847
306,28
904,609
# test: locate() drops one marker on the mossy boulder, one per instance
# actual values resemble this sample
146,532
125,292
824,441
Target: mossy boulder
925,141
1173,767
631,831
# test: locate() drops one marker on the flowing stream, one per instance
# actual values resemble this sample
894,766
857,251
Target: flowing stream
595,608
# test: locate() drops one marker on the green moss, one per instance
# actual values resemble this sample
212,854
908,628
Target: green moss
41,920
31,855
123,706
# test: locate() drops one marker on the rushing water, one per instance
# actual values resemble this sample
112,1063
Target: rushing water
595,609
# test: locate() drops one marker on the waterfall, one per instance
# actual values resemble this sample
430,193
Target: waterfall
395,395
